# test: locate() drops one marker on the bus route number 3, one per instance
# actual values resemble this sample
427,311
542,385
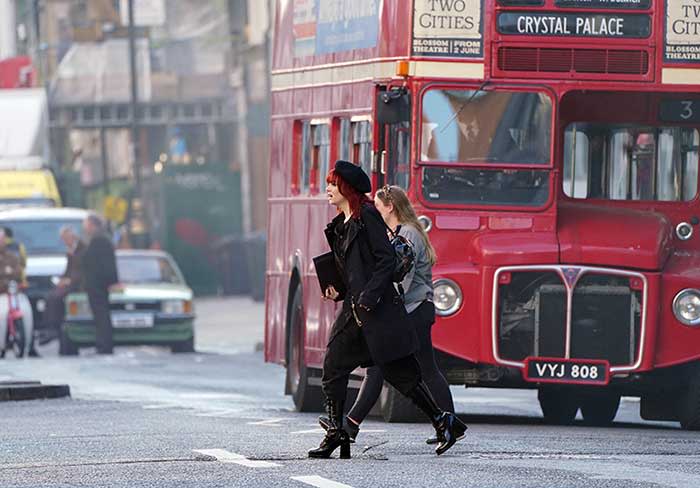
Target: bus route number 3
679,111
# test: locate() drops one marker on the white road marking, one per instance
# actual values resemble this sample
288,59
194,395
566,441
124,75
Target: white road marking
321,431
267,422
224,456
320,482
217,413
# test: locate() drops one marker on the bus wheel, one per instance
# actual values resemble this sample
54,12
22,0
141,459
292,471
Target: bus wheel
306,397
559,406
397,408
599,409
689,404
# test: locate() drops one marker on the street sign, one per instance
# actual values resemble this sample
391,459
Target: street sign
115,209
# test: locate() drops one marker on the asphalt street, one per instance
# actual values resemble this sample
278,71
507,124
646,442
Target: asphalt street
218,418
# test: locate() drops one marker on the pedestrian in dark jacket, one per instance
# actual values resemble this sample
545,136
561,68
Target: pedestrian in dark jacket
70,281
370,327
99,273
398,214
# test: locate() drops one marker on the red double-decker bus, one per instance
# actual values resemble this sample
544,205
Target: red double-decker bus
550,148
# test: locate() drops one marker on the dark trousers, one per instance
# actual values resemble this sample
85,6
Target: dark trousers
422,319
347,351
99,304
55,309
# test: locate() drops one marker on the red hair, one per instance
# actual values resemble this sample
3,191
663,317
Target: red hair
355,198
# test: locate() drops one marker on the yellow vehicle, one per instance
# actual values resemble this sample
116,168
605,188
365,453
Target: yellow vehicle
29,188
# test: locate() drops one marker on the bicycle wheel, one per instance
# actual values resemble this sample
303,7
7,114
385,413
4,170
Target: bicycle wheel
19,341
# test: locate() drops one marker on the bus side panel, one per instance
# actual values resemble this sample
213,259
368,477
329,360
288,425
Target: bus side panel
319,312
277,284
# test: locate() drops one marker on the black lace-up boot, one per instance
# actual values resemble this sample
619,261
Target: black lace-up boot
336,436
448,427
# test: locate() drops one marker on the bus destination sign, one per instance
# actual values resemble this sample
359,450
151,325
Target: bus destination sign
448,28
616,4
682,39
574,25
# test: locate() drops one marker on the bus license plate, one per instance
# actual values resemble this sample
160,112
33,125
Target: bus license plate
132,320
566,371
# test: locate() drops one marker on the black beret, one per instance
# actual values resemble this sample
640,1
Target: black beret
353,175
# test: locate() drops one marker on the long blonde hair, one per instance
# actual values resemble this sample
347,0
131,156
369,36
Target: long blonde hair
406,215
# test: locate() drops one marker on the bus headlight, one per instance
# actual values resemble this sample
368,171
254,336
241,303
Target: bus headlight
686,307
447,297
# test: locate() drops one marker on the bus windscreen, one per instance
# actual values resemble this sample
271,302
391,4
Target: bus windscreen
469,126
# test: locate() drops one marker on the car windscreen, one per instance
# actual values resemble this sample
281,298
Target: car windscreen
42,236
463,126
147,269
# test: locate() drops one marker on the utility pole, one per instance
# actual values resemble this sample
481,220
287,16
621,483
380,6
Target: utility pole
138,226
134,103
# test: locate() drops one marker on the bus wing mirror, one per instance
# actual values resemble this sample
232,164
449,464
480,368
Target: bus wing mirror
393,106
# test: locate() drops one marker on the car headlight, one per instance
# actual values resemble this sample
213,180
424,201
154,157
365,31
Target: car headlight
78,308
176,307
686,307
447,297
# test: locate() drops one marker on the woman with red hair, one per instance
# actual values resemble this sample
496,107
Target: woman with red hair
371,328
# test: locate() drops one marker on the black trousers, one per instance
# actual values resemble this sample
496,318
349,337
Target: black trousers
347,351
99,304
55,308
422,319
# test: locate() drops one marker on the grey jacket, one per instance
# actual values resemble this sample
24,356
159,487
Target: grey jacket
418,283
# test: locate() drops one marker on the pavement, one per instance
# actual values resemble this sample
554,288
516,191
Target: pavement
147,418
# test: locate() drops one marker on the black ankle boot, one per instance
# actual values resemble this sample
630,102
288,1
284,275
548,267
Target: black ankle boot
448,428
335,435
348,425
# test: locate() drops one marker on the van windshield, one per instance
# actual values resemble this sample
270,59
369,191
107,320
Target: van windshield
42,236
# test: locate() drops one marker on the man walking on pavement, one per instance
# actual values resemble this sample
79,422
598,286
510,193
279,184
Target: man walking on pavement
70,282
99,269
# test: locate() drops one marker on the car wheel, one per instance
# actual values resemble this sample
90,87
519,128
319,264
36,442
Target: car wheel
183,346
66,347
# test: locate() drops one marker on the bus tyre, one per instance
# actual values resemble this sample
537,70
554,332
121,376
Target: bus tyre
306,397
66,347
397,408
559,406
599,409
689,404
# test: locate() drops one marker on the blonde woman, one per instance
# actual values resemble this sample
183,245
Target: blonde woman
396,210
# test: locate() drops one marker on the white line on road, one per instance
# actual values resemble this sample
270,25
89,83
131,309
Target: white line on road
267,422
217,413
224,456
320,431
320,482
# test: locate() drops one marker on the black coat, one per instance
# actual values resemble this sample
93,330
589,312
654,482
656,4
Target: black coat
99,267
368,265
